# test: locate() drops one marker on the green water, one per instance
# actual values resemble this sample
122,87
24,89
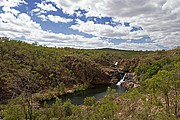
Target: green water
98,91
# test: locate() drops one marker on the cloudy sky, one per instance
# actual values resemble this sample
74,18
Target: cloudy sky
119,24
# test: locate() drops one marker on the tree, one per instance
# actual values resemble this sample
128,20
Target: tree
26,86
13,111
176,84
89,101
57,109
61,87
67,108
162,82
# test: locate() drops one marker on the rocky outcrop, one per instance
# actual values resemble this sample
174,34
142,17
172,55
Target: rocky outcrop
129,81
87,71
4,93
128,84
114,74
128,65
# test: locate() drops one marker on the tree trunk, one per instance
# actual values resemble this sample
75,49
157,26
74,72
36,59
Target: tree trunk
176,105
24,109
167,102
175,101
29,109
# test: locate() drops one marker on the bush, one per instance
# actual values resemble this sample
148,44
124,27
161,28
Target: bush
89,101
80,87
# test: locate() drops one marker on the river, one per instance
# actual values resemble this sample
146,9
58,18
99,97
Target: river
98,91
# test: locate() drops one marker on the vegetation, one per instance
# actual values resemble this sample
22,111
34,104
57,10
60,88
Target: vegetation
89,101
29,73
53,71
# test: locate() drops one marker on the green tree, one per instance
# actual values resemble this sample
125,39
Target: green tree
57,109
61,87
89,101
176,86
13,110
162,82
67,106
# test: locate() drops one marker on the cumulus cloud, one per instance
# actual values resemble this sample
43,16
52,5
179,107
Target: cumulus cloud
137,46
159,18
22,26
11,10
47,7
55,19
43,7
107,31
11,3
13,27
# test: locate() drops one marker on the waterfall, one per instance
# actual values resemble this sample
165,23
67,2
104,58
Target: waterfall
122,80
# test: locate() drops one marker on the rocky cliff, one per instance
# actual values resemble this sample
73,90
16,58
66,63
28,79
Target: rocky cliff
87,71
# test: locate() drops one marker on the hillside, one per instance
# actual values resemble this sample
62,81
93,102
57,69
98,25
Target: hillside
29,73
47,67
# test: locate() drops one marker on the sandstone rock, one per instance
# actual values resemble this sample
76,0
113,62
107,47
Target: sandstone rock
128,84
114,80
129,81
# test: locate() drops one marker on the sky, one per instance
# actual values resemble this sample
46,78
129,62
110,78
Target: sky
93,24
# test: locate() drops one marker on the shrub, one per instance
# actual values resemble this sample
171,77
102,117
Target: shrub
89,101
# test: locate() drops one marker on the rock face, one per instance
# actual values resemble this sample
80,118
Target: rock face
4,94
128,85
128,65
86,71
114,74
129,81
90,72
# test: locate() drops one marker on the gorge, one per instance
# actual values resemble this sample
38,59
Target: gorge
31,73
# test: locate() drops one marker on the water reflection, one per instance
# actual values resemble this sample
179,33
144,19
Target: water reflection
98,91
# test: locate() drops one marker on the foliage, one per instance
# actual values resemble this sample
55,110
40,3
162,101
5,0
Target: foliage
89,101
80,87
13,112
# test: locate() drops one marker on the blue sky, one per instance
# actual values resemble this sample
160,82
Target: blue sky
123,24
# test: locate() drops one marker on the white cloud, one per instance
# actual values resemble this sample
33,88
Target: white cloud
78,14
58,19
137,46
107,31
55,19
43,17
159,18
68,6
42,8
36,10
45,7
11,10
11,3
22,26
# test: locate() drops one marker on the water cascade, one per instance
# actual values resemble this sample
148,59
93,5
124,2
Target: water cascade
122,80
